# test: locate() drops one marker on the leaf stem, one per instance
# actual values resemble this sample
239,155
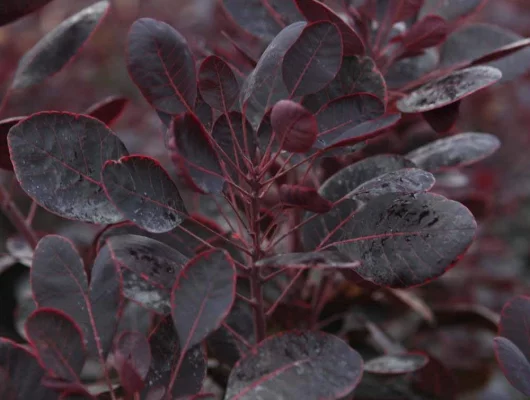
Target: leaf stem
13,213
278,301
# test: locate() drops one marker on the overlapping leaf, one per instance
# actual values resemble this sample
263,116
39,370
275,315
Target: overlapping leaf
218,84
58,47
132,360
296,365
427,32
108,110
295,128
144,193
304,197
67,153
5,126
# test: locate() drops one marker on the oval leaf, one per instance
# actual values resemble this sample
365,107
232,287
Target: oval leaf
455,151
449,89
396,364
295,127
58,342
313,60
144,193
108,110
427,32
58,47
162,66
5,126
304,197
514,364
294,365
67,153
218,84
513,313
132,360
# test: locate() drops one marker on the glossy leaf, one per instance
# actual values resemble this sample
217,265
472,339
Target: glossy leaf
144,193
264,86
449,89
405,240
195,154
23,374
304,197
356,75
427,32
313,60
338,117
5,126
295,128
218,84
396,364
165,351
514,364
162,66
70,151
58,280
132,360
315,11
454,151
322,259
12,10
296,365
58,342
108,110
58,47
148,268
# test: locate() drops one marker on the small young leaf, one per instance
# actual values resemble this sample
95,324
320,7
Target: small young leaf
313,60
162,66
304,197
14,9
454,151
132,360
296,128
166,353
514,364
58,47
70,151
108,110
294,365
58,280
58,342
427,32
321,259
449,89
195,154
144,193
315,11
22,373
396,364
5,126
218,84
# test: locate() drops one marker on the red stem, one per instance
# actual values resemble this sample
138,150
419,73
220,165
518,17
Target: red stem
13,213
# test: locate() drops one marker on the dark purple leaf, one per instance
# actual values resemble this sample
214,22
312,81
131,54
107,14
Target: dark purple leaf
407,180
23,374
58,342
408,70
218,84
345,113
263,18
514,364
264,86
165,351
514,323
14,9
58,280
313,60
132,360
204,113
322,259
58,47
348,179
109,109
5,126
405,240
502,52
451,10
474,41
443,119
449,89
144,193
304,197
162,66
294,365
148,268
396,364
427,32
454,151
402,10
195,155
315,11
202,296
295,128
70,151
356,75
